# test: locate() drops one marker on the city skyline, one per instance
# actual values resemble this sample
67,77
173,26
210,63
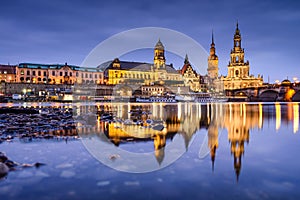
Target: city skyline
59,32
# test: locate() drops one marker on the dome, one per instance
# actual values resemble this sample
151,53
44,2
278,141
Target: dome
159,45
116,60
286,82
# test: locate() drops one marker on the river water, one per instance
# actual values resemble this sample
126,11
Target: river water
163,151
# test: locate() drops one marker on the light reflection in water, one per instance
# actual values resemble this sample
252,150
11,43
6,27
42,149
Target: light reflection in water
186,119
296,117
278,116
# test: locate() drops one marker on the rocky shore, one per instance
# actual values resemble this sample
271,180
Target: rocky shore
29,123
7,165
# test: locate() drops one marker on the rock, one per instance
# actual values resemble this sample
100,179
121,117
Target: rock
3,157
11,163
37,165
113,157
3,170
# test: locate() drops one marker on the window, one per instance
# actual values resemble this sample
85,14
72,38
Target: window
66,73
86,75
33,73
91,76
28,73
236,72
45,73
53,73
22,72
81,75
71,74
96,76
77,74
39,73
236,58
60,73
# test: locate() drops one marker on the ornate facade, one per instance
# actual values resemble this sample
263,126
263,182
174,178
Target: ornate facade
190,76
213,61
138,73
57,74
238,69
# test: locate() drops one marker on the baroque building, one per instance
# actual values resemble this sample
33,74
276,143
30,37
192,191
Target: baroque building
213,61
238,69
57,74
190,76
118,72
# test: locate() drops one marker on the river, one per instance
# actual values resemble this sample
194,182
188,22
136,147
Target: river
162,151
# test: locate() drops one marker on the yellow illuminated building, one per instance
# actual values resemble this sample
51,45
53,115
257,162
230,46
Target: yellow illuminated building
238,69
190,76
138,73
213,61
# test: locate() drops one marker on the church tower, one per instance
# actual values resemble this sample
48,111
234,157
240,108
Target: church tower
213,61
237,68
159,55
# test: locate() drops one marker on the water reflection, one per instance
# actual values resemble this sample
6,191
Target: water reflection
127,125
157,123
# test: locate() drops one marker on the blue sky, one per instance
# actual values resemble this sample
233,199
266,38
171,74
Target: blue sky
66,31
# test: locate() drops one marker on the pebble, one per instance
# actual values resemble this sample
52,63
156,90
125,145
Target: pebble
7,165
3,170
29,124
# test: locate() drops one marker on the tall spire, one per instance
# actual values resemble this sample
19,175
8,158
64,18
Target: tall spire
212,37
237,31
186,60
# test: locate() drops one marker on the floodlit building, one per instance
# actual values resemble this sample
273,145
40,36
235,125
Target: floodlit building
238,69
139,73
7,73
57,74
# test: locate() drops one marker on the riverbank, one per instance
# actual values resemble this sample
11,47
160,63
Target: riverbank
30,123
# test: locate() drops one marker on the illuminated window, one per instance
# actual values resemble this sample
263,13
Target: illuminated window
22,72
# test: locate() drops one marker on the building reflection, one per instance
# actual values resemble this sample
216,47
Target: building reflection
159,123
